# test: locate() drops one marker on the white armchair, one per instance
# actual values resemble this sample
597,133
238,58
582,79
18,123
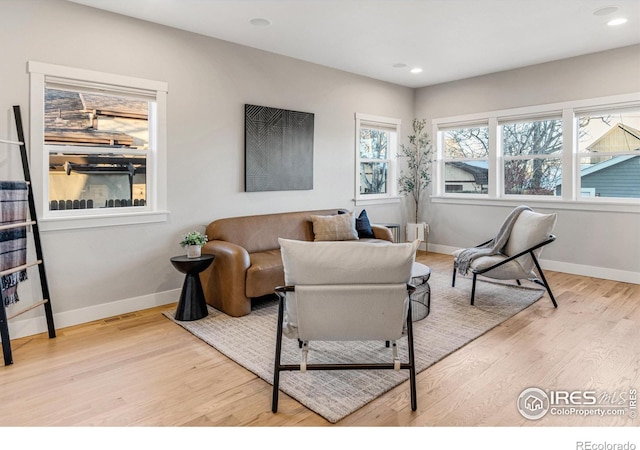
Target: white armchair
513,253
345,291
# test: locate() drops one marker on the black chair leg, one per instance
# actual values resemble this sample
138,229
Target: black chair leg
276,366
473,288
412,362
544,281
453,280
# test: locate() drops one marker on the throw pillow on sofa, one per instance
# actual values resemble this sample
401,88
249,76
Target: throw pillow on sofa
340,227
363,226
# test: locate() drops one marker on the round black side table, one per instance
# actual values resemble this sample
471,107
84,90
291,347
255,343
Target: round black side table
192,305
421,297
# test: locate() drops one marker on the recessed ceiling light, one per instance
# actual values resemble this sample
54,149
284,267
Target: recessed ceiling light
260,22
605,11
416,70
618,21
399,65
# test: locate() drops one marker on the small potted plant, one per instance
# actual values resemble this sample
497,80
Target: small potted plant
194,242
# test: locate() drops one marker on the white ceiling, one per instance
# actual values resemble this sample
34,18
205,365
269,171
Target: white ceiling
449,39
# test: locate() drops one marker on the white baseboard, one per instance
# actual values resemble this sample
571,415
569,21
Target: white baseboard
606,273
28,327
591,271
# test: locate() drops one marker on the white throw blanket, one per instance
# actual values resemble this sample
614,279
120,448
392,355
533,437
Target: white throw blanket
494,246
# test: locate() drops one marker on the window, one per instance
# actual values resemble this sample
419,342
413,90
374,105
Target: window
100,141
466,160
97,146
583,151
376,149
532,154
609,153
374,160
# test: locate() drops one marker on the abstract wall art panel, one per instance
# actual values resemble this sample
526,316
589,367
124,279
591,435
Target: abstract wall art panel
278,149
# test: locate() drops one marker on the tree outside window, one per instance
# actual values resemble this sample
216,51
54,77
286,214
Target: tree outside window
532,157
376,146
586,150
374,150
466,153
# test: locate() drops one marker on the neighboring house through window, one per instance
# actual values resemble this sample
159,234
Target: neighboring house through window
609,154
100,146
466,159
576,151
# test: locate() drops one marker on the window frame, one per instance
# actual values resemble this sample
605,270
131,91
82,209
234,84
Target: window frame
579,155
381,123
503,159
155,209
570,198
440,169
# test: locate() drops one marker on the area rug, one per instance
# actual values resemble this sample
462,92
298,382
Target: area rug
452,323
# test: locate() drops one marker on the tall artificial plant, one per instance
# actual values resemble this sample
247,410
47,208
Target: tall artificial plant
415,180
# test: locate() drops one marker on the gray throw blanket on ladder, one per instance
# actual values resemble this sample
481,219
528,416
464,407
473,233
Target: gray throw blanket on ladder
494,246
13,241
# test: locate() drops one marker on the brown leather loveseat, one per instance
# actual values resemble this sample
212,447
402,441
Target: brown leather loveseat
247,256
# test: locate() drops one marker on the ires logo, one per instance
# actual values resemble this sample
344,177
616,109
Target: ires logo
573,398
534,403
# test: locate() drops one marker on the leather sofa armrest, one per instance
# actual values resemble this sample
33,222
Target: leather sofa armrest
224,282
382,232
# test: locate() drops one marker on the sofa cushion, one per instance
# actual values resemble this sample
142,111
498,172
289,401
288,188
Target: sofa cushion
266,272
340,227
363,226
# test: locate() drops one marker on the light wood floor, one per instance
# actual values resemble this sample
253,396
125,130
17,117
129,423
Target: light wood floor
140,369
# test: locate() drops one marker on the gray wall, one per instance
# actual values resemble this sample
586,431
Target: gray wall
589,242
103,271
95,273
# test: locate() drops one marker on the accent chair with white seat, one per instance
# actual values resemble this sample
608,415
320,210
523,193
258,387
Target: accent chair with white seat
513,253
345,291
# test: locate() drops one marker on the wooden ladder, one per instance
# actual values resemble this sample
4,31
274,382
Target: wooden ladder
33,222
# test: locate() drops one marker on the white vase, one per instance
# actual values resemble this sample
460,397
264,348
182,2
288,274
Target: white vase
418,231
194,251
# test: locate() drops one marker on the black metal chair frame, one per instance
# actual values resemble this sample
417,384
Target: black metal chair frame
279,367
542,282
